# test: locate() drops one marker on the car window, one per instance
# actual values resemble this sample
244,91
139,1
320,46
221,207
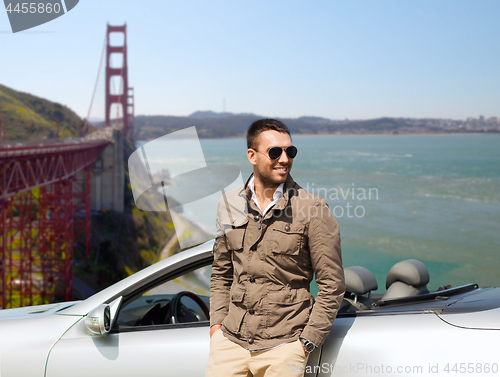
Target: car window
184,299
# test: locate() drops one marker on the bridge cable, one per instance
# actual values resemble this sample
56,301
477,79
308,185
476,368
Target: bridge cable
95,88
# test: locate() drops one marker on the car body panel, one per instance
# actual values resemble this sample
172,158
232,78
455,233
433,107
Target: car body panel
422,336
172,350
486,319
25,342
405,344
31,311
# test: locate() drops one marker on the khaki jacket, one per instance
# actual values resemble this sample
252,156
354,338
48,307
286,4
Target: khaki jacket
263,266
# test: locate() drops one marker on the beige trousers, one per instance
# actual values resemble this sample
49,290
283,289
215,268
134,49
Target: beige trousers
228,359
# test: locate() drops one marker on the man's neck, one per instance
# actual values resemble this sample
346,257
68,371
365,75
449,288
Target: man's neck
264,192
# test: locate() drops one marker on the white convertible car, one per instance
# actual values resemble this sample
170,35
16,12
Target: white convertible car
155,323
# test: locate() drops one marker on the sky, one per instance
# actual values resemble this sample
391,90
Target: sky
333,59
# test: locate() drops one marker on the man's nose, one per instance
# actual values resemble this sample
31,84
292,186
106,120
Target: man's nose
284,158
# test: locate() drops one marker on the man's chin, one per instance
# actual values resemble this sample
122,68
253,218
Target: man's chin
281,178
274,179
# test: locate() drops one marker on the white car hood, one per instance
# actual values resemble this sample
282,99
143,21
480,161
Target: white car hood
34,311
27,335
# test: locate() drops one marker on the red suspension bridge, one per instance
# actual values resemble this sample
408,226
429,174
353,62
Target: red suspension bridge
47,191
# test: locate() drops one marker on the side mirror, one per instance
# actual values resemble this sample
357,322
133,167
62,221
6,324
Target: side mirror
98,321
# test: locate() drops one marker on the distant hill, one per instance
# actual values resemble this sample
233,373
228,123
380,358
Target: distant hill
210,124
219,125
231,125
25,116
213,114
313,119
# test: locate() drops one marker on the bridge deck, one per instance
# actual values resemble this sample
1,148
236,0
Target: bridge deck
8,150
24,166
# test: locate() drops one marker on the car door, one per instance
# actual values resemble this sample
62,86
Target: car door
142,343
163,352
145,340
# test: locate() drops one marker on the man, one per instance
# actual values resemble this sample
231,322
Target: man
262,317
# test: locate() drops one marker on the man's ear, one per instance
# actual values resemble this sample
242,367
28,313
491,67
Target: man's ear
252,156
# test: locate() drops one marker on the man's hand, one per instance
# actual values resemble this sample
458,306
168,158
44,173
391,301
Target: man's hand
214,328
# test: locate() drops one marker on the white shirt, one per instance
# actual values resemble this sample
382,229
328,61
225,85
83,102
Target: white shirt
278,193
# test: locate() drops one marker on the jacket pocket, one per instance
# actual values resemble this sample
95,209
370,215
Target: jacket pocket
236,312
287,239
288,312
235,238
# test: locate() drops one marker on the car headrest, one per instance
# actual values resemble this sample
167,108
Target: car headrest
359,280
410,271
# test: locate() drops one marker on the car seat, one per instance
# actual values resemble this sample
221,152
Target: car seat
359,283
406,278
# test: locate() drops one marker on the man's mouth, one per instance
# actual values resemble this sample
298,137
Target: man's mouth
281,169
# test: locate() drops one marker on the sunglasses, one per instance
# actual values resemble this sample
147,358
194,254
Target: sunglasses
275,152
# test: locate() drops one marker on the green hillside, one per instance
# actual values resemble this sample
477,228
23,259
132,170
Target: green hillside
25,117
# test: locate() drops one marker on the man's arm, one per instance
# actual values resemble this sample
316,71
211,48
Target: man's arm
221,280
326,259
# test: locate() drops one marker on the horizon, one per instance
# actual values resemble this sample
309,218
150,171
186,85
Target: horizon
280,117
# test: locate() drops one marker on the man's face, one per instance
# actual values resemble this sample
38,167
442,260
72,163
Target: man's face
270,172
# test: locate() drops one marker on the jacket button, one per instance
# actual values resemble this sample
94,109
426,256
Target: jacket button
251,311
252,280
250,341
287,228
256,217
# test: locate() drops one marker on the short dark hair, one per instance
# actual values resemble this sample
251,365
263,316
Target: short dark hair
262,125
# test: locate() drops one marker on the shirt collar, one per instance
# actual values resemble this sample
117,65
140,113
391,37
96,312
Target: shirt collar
277,195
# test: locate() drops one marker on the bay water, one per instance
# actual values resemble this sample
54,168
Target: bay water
435,198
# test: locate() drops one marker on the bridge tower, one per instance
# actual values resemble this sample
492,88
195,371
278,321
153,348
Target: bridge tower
121,95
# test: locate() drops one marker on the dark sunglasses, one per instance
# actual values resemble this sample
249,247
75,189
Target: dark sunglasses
275,152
